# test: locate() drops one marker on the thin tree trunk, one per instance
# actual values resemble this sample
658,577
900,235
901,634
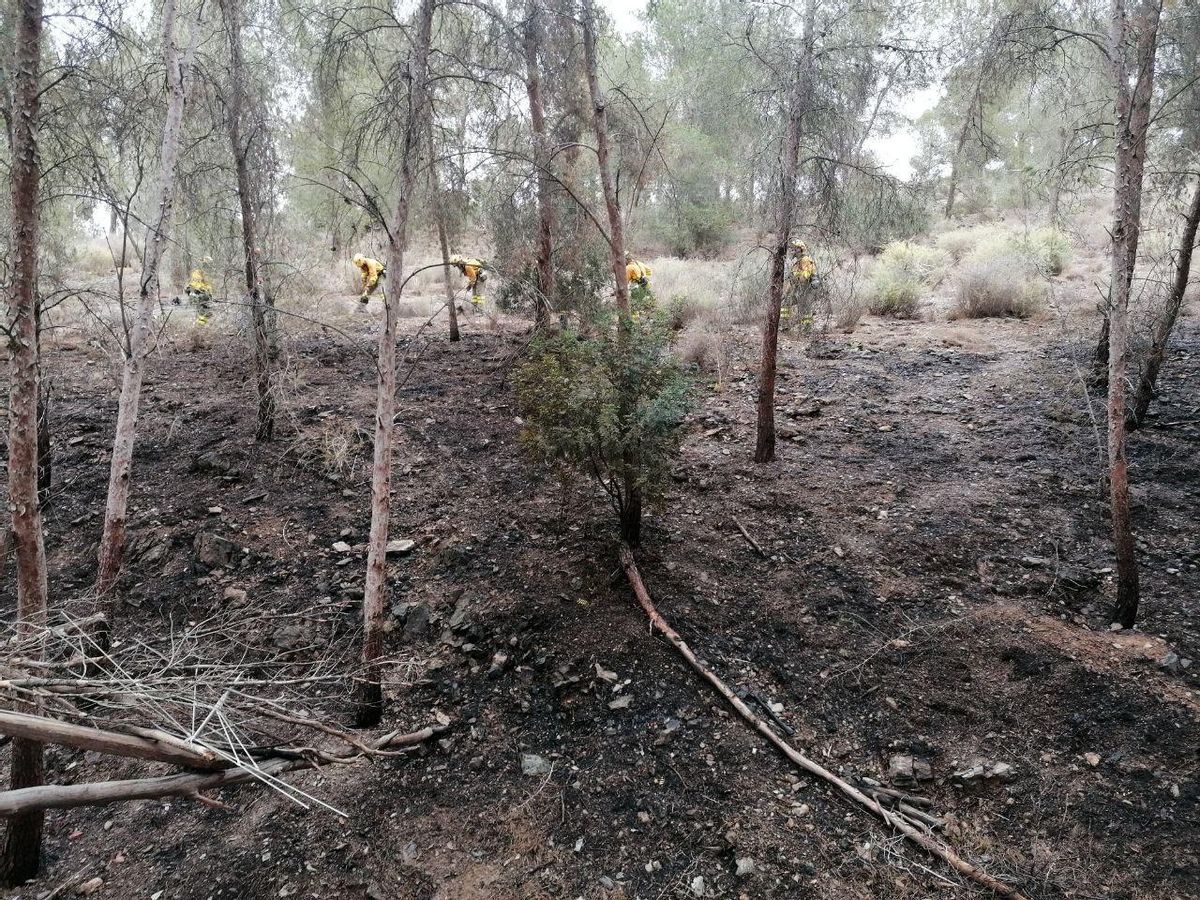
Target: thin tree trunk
21,855
1165,325
439,218
764,444
112,541
248,197
1133,119
369,690
631,489
541,160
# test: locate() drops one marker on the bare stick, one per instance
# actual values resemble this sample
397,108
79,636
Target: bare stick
750,540
184,785
53,731
896,819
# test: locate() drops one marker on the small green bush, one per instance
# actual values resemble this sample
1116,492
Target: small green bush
902,275
1048,248
588,411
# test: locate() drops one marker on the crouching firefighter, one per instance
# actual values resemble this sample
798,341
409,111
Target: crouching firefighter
199,292
474,271
372,271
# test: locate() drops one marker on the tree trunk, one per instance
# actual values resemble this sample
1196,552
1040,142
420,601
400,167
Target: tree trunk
112,541
1134,83
764,444
23,841
369,690
248,197
631,489
1165,325
439,218
541,159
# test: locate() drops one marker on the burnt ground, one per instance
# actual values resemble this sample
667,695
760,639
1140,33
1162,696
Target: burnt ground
938,587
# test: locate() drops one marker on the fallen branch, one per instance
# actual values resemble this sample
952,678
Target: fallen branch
191,785
913,829
148,745
750,540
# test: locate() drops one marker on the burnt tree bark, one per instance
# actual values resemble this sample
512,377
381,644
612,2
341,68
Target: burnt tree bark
1144,392
532,39
369,689
1133,36
21,855
249,197
785,213
630,494
137,336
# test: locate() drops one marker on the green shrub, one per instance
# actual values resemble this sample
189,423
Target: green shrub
902,275
1048,248
616,419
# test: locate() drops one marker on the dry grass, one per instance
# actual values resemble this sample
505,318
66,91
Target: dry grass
902,275
1002,285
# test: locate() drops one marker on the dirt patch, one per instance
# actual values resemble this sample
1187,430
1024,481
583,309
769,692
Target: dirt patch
937,587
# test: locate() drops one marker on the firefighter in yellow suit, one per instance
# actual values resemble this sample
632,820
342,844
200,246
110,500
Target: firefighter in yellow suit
473,271
636,272
199,291
373,271
804,274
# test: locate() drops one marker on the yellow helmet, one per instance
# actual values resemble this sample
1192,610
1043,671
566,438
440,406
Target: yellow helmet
799,246
455,258
359,259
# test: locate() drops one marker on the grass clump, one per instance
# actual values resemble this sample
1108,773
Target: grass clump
902,275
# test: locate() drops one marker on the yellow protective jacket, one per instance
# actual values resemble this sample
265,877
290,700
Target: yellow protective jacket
469,267
371,269
198,283
637,272
803,268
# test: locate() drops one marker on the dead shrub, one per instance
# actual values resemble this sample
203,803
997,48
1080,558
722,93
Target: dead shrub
997,286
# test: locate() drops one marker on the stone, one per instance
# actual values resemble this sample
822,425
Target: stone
1171,663
532,764
416,622
621,702
999,771
698,886
235,596
906,769
499,663
459,618
1092,759
341,547
746,866
90,886
400,546
211,551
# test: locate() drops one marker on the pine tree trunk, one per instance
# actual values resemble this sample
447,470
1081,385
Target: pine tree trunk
369,691
785,209
112,542
631,490
21,855
541,159
1134,83
248,198
1165,325
439,218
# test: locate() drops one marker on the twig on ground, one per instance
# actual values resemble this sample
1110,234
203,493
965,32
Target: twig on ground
913,829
